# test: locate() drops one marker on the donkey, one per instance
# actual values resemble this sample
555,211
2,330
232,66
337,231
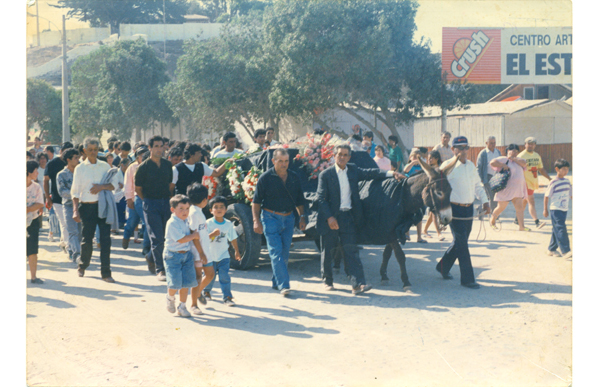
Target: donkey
389,216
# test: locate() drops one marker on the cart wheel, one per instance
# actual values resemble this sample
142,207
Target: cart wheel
249,242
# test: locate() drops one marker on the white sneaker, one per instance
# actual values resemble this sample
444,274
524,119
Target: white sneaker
553,253
568,255
63,247
182,310
195,310
285,292
171,304
50,238
229,301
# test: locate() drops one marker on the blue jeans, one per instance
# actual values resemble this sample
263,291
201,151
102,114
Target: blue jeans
459,248
180,270
221,268
156,214
121,206
560,236
74,230
278,230
135,217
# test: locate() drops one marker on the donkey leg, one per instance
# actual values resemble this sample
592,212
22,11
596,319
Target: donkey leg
387,254
401,258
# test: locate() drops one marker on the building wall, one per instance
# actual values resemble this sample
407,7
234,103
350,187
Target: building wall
75,36
156,32
549,124
427,131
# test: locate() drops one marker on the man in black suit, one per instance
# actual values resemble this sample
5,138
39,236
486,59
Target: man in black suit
340,211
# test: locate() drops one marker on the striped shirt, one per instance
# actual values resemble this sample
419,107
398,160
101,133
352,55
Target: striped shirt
559,191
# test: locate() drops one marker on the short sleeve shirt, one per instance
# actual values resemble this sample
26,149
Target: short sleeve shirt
534,164
197,222
445,152
219,248
559,191
176,229
34,195
53,167
273,194
154,180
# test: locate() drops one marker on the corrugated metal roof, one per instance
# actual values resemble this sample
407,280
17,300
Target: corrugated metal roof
569,101
488,108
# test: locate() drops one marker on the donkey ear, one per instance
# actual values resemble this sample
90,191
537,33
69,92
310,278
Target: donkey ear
428,169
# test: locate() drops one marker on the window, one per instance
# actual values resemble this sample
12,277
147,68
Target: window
528,93
542,92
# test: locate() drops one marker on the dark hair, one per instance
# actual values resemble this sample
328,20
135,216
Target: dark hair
436,155
447,134
561,163
32,166
49,148
153,139
69,153
125,146
205,155
139,144
511,147
379,147
175,152
269,128
29,155
41,155
111,145
318,131
178,199
140,151
368,134
80,148
227,136
197,193
207,148
357,137
393,138
260,132
217,199
172,142
112,138
342,146
117,145
190,150
165,140
423,150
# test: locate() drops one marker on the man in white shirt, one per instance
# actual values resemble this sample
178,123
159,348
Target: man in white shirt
230,141
84,192
466,184
270,141
444,147
484,168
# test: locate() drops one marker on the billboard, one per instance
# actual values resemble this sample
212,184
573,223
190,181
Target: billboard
540,55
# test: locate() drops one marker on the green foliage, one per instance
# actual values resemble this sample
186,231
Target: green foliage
44,107
116,88
224,80
210,8
115,12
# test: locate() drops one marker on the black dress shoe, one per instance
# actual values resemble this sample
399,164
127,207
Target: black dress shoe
125,243
446,276
110,280
80,272
471,285
151,265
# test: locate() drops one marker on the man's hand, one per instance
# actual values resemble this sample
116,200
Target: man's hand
238,257
130,204
95,189
487,208
546,214
302,223
333,224
399,176
48,202
76,216
258,228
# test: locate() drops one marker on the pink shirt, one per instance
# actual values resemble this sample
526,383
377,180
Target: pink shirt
383,163
516,187
129,187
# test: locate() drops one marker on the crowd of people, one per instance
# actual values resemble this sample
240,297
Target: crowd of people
157,187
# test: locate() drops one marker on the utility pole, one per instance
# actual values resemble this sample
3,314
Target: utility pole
165,32
66,132
37,16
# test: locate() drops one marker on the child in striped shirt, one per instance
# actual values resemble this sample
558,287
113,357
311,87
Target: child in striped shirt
558,194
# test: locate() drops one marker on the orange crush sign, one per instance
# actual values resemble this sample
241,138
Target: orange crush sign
538,55
472,54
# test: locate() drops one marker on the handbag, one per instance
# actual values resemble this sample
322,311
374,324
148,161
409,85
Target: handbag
499,181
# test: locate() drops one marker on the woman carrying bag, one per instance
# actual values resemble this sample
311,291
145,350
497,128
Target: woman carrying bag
516,187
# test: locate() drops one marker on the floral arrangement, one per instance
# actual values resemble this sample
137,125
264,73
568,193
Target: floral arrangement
211,184
235,178
217,161
249,183
316,153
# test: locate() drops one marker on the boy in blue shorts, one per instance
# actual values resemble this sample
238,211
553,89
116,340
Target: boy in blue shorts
179,261
558,194
220,230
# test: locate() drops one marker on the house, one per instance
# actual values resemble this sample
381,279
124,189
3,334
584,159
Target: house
531,91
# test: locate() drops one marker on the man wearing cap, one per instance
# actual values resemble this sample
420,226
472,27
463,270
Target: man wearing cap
444,147
466,185
534,167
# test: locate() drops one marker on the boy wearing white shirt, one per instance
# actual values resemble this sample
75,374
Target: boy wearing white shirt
198,195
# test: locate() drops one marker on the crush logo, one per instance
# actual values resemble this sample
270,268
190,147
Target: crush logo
468,52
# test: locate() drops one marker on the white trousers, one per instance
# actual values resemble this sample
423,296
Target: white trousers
60,213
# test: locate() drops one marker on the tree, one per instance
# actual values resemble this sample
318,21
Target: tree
44,107
209,8
114,12
357,56
116,88
225,80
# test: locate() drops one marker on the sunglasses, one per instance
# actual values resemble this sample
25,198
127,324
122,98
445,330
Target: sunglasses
462,147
